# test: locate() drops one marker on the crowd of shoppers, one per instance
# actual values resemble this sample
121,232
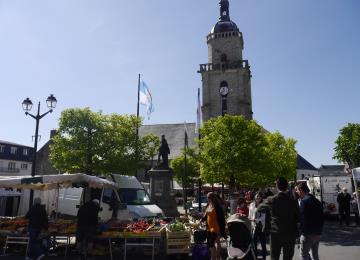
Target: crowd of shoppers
284,218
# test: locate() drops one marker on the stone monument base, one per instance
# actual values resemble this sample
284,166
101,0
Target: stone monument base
161,190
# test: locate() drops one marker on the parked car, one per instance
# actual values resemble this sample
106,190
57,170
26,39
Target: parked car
195,203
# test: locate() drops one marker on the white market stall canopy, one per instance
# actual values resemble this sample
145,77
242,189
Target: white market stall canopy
49,182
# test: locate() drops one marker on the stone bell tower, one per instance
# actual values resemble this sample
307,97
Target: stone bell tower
226,78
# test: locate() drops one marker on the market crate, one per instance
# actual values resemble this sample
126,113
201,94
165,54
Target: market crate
145,234
178,234
178,246
178,242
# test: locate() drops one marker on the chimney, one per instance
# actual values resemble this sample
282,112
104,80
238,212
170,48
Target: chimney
52,133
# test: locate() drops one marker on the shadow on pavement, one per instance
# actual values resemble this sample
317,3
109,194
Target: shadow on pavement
334,234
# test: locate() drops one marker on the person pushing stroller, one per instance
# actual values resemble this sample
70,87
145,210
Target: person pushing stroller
215,220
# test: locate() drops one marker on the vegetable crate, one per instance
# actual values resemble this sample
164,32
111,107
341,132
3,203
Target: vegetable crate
178,242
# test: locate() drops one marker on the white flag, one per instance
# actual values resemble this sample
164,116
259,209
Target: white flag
146,98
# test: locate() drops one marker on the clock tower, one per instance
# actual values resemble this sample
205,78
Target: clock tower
226,78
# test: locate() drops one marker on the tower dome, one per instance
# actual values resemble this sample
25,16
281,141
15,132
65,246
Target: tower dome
224,24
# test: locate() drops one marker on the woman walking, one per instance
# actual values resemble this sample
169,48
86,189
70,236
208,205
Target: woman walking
258,224
215,220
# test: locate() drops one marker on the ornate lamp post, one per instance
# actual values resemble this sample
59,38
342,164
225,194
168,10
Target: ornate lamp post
27,105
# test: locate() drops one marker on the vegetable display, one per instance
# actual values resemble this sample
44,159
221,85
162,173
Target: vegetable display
176,227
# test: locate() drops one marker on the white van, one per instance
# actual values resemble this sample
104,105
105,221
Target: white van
136,197
327,188
130,192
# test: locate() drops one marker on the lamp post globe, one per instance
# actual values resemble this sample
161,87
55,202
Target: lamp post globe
51,102
27,104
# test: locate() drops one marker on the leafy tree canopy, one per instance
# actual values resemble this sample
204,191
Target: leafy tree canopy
347,145
94,143
234,146
192,167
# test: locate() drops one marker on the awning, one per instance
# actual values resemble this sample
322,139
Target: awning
49,182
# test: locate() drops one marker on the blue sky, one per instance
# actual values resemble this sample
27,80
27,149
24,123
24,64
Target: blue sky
304,57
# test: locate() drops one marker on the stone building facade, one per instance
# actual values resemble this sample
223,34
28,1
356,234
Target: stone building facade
225,69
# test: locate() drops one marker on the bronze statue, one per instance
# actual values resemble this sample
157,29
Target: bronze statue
164,152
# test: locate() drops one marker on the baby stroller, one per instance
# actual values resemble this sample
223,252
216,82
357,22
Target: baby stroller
241,244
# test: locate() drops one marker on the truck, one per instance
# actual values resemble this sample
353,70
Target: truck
327,188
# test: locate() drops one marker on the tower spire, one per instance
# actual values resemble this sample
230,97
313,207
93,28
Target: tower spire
224,10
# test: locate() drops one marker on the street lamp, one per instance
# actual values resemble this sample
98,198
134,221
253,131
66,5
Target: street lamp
27,105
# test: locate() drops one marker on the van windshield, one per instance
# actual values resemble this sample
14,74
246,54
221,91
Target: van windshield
134,196
203,199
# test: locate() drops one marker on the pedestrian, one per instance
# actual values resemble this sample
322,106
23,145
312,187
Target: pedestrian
355,208
268,193
234,202
222,203
87,223
343,200
215,220
38,221
248,197
258,224
284,217
311,223
242,209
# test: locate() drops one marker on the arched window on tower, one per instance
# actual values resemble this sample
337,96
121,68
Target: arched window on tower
224,84
223,57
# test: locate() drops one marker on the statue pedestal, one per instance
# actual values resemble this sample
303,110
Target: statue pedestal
161,190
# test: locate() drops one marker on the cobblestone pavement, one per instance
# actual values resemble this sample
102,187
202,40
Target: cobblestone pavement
337,243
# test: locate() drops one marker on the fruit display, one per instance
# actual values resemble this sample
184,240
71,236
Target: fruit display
138,226
113,225
62,226
13,225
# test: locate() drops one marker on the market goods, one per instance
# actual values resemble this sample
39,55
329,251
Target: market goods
62,226
176,227
12,225
138,226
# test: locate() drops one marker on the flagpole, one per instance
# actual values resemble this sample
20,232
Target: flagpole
137,109
137,121
199,180
185,170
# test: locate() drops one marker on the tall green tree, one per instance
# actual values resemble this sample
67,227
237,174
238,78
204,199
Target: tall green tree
232,146
94,143
347,145
192,167
281,156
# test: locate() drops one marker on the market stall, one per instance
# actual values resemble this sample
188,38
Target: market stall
141,234
16,227
50,182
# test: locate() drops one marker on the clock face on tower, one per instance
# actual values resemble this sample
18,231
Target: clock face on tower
224,90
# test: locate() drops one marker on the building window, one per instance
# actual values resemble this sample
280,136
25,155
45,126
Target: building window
11,166
13,150
2,148
24,166
25,151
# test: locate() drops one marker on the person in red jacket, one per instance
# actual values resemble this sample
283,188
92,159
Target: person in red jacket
242,209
